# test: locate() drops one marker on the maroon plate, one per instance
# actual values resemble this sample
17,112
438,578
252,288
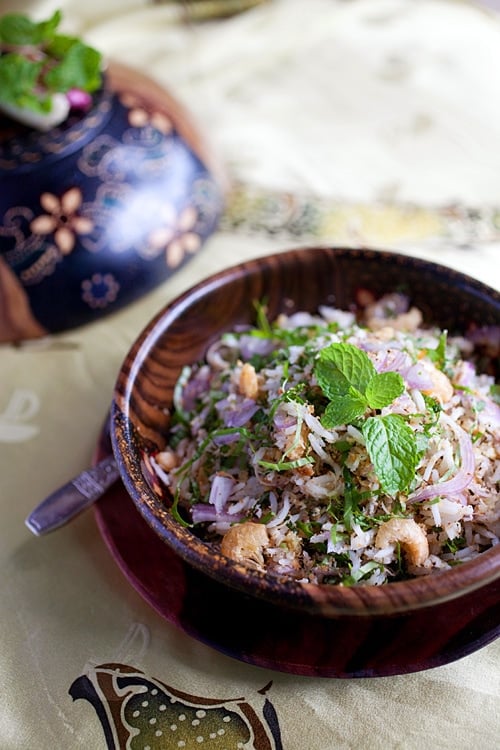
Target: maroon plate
258,633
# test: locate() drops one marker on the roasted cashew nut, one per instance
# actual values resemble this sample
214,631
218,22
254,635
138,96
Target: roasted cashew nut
410,536
244,543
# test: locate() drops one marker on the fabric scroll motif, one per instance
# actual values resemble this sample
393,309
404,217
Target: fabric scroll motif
138,711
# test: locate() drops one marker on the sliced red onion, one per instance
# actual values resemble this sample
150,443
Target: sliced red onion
490,414
195,387
203,513
220,491
376,345
301,319
457,484
466,374
251,345
401,362
227,439
282,420
236,413
418,377
393,361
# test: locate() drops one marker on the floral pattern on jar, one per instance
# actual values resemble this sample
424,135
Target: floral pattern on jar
118,203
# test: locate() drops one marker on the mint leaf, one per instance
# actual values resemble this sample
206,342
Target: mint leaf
392,448
47,29
344,409
354,364
19,30
348,378
79,69
383,388
18,77
60,45
36,62
332,381
421,443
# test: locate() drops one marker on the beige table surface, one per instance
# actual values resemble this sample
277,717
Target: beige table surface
339,122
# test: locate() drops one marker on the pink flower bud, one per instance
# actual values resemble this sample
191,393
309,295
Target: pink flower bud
79,99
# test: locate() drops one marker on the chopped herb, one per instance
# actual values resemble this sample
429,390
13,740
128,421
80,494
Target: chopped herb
335,534
174,509
287,465
434,408
454,545
360,573
306,529
290,394
438,355
351,499
263,324
266,517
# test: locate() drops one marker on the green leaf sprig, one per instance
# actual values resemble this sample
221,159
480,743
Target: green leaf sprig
355,390
37,62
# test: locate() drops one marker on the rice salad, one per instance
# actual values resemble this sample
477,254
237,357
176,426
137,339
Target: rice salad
337,447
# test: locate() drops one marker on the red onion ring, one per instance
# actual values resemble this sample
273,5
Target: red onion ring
203,513
219,491
464,475
236,414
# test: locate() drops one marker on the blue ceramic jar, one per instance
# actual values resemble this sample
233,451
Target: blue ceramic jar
100,210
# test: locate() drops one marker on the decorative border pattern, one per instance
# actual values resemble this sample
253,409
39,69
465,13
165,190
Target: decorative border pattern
290,216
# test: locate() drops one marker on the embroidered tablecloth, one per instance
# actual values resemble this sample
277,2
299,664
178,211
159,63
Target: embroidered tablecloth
366,122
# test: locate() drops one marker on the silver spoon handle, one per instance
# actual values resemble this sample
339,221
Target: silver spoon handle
73,497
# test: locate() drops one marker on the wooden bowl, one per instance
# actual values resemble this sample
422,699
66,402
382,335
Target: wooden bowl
295,280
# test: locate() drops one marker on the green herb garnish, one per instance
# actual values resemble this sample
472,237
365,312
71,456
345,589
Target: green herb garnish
393,452
37,62
364,571
438,355
349,380
286,465
495,393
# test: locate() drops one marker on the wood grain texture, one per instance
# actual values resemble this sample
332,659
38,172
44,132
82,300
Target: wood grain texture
295,280
266,634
